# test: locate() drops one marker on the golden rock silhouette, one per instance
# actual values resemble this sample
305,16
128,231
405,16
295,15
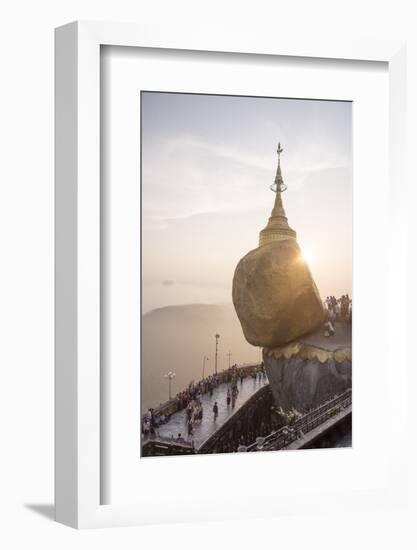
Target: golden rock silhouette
274,294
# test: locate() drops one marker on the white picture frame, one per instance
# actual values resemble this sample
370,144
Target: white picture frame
77,68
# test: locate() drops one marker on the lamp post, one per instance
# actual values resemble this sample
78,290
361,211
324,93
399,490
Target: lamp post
229,355
217,349
170,376
204,364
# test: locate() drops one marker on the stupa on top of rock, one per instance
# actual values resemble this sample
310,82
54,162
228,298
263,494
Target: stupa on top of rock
280,310
277,228
274,294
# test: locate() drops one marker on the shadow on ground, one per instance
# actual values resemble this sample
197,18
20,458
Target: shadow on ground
45,510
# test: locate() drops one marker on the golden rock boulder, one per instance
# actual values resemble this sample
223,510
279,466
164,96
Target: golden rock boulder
274,294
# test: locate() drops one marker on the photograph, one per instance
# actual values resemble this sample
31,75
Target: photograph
246,274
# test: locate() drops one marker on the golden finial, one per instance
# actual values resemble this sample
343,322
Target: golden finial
278,186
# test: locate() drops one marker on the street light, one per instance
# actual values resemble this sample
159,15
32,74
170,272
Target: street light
204,364
217,348
229,355
170,376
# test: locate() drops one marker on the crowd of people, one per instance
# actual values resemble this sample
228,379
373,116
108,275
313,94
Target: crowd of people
337,310
193,395
152,421
194,414
191,399
196,389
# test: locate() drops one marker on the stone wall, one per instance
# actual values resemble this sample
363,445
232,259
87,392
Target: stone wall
303,382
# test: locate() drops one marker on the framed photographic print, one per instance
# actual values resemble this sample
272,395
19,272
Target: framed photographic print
228,216
203,157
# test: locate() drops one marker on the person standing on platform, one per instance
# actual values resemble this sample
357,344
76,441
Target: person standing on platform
228,398
215,411
234,394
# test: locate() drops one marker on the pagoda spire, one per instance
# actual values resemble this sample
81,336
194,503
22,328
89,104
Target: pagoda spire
277,228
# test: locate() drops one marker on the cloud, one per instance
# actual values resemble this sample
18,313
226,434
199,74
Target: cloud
193,145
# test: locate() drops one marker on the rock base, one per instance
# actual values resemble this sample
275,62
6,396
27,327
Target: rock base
303,375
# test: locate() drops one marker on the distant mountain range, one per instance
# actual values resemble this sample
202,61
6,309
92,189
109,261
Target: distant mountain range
176,338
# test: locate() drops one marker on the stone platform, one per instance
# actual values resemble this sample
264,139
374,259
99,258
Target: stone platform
177,423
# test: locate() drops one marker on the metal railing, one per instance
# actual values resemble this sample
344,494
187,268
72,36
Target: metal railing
166,439
288,434
157,445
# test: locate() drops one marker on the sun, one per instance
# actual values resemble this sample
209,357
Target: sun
308,256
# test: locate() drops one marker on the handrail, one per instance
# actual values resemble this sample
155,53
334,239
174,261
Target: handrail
165,439
311,420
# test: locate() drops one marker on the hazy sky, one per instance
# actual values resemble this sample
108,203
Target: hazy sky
207,164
